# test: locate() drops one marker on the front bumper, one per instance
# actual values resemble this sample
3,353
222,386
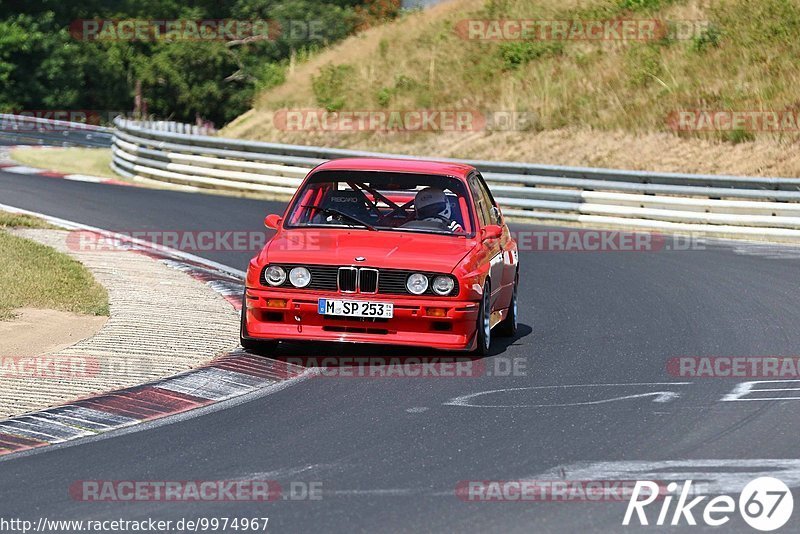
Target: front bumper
413,323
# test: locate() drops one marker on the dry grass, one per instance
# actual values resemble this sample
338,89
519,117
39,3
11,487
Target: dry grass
88,161
15,220
596,103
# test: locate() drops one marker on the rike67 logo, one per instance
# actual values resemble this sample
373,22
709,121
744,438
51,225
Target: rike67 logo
765,504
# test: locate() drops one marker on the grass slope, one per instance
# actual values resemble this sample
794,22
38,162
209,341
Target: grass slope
744,59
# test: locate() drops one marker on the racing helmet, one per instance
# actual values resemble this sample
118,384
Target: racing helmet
430,203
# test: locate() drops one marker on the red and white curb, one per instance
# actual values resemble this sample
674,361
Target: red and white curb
227,377
24,169
231,375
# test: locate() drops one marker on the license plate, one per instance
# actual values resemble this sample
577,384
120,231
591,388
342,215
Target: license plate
356,308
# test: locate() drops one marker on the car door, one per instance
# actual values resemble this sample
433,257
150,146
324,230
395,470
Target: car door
505,269
492,251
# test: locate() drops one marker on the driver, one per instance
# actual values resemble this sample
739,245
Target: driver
431,205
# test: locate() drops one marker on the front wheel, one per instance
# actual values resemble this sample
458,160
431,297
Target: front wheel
484,325
508,327
262,348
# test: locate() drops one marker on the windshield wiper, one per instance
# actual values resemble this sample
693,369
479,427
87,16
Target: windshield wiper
337,213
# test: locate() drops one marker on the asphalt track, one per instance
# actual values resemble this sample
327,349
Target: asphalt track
390,452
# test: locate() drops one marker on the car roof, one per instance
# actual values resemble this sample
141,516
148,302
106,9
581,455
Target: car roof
413,166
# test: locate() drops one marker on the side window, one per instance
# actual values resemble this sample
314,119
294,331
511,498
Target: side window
482,203
495,216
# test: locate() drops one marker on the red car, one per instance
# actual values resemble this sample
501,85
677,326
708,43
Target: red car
385,251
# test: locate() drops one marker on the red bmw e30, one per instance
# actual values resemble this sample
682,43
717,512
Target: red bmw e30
385,251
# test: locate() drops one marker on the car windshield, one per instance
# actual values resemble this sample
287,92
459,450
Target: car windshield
383,201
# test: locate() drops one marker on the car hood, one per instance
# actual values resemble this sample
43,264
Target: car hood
387,249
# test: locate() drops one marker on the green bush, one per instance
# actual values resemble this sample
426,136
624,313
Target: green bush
329,86
517,54
384,97
270,75
739,136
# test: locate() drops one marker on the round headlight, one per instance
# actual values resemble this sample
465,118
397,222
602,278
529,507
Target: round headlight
443,285
300,277
274,275
417,283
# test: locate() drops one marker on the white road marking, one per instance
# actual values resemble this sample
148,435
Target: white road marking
22,169
769,251
712,476
745,388
659,396
85,178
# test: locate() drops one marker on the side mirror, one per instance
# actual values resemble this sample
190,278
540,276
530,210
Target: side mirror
491,231
273,221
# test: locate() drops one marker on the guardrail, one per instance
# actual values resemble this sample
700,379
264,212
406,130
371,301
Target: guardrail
177,127
28,130
717,205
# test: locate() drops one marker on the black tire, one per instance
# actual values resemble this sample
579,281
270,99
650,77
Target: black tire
508,327
262,348
257,346
483,333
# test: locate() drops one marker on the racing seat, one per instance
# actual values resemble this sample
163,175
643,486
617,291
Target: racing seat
347,201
